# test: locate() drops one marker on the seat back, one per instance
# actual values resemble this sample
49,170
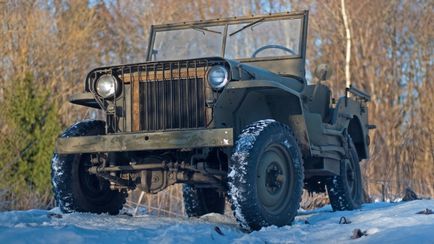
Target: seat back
319,100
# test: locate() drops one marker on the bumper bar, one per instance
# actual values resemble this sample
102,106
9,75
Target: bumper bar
181,139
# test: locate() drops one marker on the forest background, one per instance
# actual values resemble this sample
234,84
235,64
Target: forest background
47,47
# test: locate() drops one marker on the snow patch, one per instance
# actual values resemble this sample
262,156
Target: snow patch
383,222
287,144
56,170
218,219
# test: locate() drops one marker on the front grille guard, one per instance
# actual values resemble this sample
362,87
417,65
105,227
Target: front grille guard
133,75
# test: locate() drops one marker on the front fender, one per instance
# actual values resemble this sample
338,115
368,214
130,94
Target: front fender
85,99
244,102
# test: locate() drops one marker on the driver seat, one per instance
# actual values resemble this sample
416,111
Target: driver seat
319,100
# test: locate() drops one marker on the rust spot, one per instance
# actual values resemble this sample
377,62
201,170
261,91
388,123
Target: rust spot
135,102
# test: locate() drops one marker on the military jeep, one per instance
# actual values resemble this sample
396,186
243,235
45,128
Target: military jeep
223,107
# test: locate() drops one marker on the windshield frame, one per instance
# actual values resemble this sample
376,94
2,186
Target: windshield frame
225,22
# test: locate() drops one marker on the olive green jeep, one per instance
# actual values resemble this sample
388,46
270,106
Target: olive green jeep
223,107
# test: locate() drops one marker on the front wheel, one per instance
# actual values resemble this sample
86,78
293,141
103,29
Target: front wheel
345,190
75,189
266,175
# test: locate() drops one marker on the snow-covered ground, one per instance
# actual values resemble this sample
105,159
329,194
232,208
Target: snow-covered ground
383,223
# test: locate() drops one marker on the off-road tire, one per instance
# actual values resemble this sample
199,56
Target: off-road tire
201,201
266,175
345,190
74,188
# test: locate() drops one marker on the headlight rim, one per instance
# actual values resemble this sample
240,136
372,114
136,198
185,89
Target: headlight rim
116,86
225,80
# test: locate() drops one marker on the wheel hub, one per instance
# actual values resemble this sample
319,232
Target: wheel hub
274,178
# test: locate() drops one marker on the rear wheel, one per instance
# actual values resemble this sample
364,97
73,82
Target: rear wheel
74,188
266,176
200,201
345,190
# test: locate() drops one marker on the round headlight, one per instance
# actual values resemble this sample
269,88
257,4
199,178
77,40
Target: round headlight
217,77
106,86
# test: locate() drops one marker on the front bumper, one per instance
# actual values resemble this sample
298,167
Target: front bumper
180,139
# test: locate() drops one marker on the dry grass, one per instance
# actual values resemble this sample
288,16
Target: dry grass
27,199
170,203
313,200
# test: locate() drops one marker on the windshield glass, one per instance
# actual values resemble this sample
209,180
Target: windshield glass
188,43
274,38
258,38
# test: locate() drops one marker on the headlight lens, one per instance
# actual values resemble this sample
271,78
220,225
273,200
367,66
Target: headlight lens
106,86
217,77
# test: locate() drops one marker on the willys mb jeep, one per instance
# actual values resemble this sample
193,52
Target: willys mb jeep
223,107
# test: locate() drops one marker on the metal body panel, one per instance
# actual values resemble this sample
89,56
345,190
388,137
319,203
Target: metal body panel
288,85
180,139
85,99
328,140
329,126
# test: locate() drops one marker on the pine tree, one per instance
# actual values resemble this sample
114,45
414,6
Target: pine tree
30,114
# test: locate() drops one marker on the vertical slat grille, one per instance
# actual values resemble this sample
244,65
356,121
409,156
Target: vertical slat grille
172,104
172,95
161,95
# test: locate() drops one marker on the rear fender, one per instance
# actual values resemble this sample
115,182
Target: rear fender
352,115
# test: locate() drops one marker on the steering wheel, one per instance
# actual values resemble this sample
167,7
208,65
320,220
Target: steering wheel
272,46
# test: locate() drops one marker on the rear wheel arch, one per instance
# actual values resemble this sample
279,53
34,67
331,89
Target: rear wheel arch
358,136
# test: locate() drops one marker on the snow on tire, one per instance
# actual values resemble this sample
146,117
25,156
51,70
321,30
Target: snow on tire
74,188
345,190
266,175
